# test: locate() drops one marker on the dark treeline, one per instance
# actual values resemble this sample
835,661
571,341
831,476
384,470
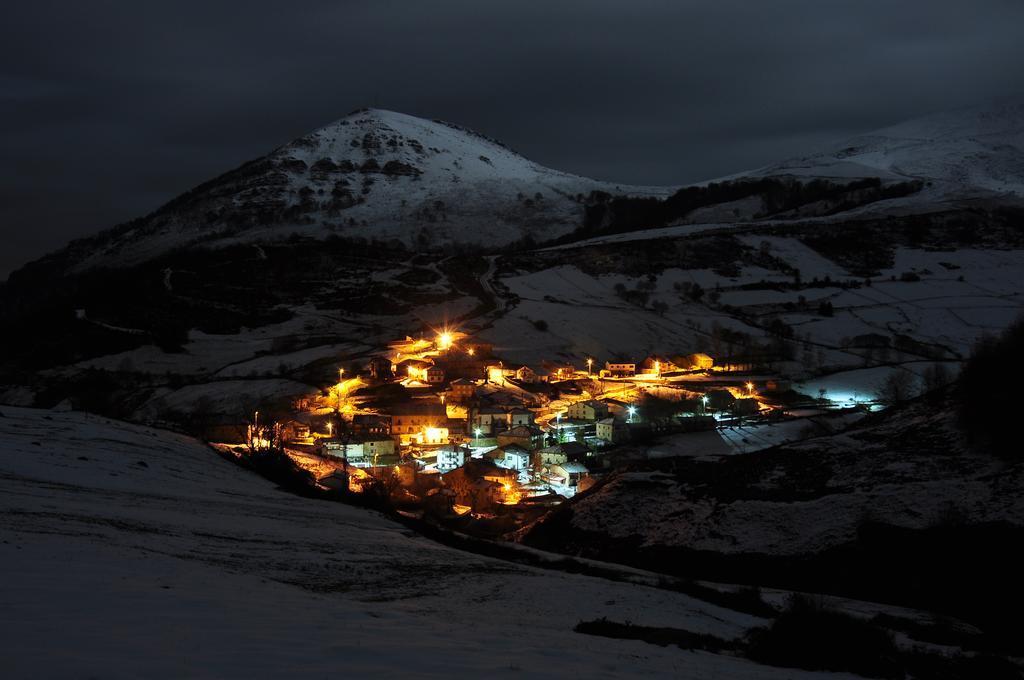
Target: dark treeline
606,214
987,394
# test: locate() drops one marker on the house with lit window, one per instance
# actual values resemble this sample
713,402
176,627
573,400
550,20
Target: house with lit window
526,436
590,409
512,457
620,369
359,450
367,423
375,446
415,369
461,389
697,362
422,421
552,455
520,416
568,475
525,374
656,365
488,419
558,371
451,458
611,430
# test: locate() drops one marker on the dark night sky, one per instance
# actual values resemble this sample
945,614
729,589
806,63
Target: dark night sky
109,108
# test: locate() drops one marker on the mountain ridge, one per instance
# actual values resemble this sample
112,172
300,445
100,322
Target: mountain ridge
430,185
373,175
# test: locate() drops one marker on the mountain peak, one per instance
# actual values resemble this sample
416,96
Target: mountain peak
376,175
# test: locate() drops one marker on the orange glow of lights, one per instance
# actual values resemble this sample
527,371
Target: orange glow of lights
511,495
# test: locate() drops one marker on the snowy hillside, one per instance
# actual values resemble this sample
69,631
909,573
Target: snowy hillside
910,469
148,556
967,151
374,175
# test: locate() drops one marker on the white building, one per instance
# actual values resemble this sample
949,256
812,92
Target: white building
606,429
513,457
450,458
553,455
620,369
570,474
360,450
520,416
488,420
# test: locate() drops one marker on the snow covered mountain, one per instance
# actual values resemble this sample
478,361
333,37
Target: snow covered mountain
375,175
213,286
963,152
389,177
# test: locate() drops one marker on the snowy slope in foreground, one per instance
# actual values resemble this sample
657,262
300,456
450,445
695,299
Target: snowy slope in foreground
373,174
971,150
128,552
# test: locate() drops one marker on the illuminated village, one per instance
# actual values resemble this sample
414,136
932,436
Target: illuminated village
441,424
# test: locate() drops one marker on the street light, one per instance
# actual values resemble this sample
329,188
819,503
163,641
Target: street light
476,434
590,366
750,388
631,410
330,428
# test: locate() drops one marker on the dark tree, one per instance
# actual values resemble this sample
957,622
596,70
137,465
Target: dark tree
988,393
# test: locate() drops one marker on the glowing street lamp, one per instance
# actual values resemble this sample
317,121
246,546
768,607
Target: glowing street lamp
631,410
750,388
444,340
476,433
590,366
704,401
330,428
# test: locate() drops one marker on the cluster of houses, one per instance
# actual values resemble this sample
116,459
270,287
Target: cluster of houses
448,409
